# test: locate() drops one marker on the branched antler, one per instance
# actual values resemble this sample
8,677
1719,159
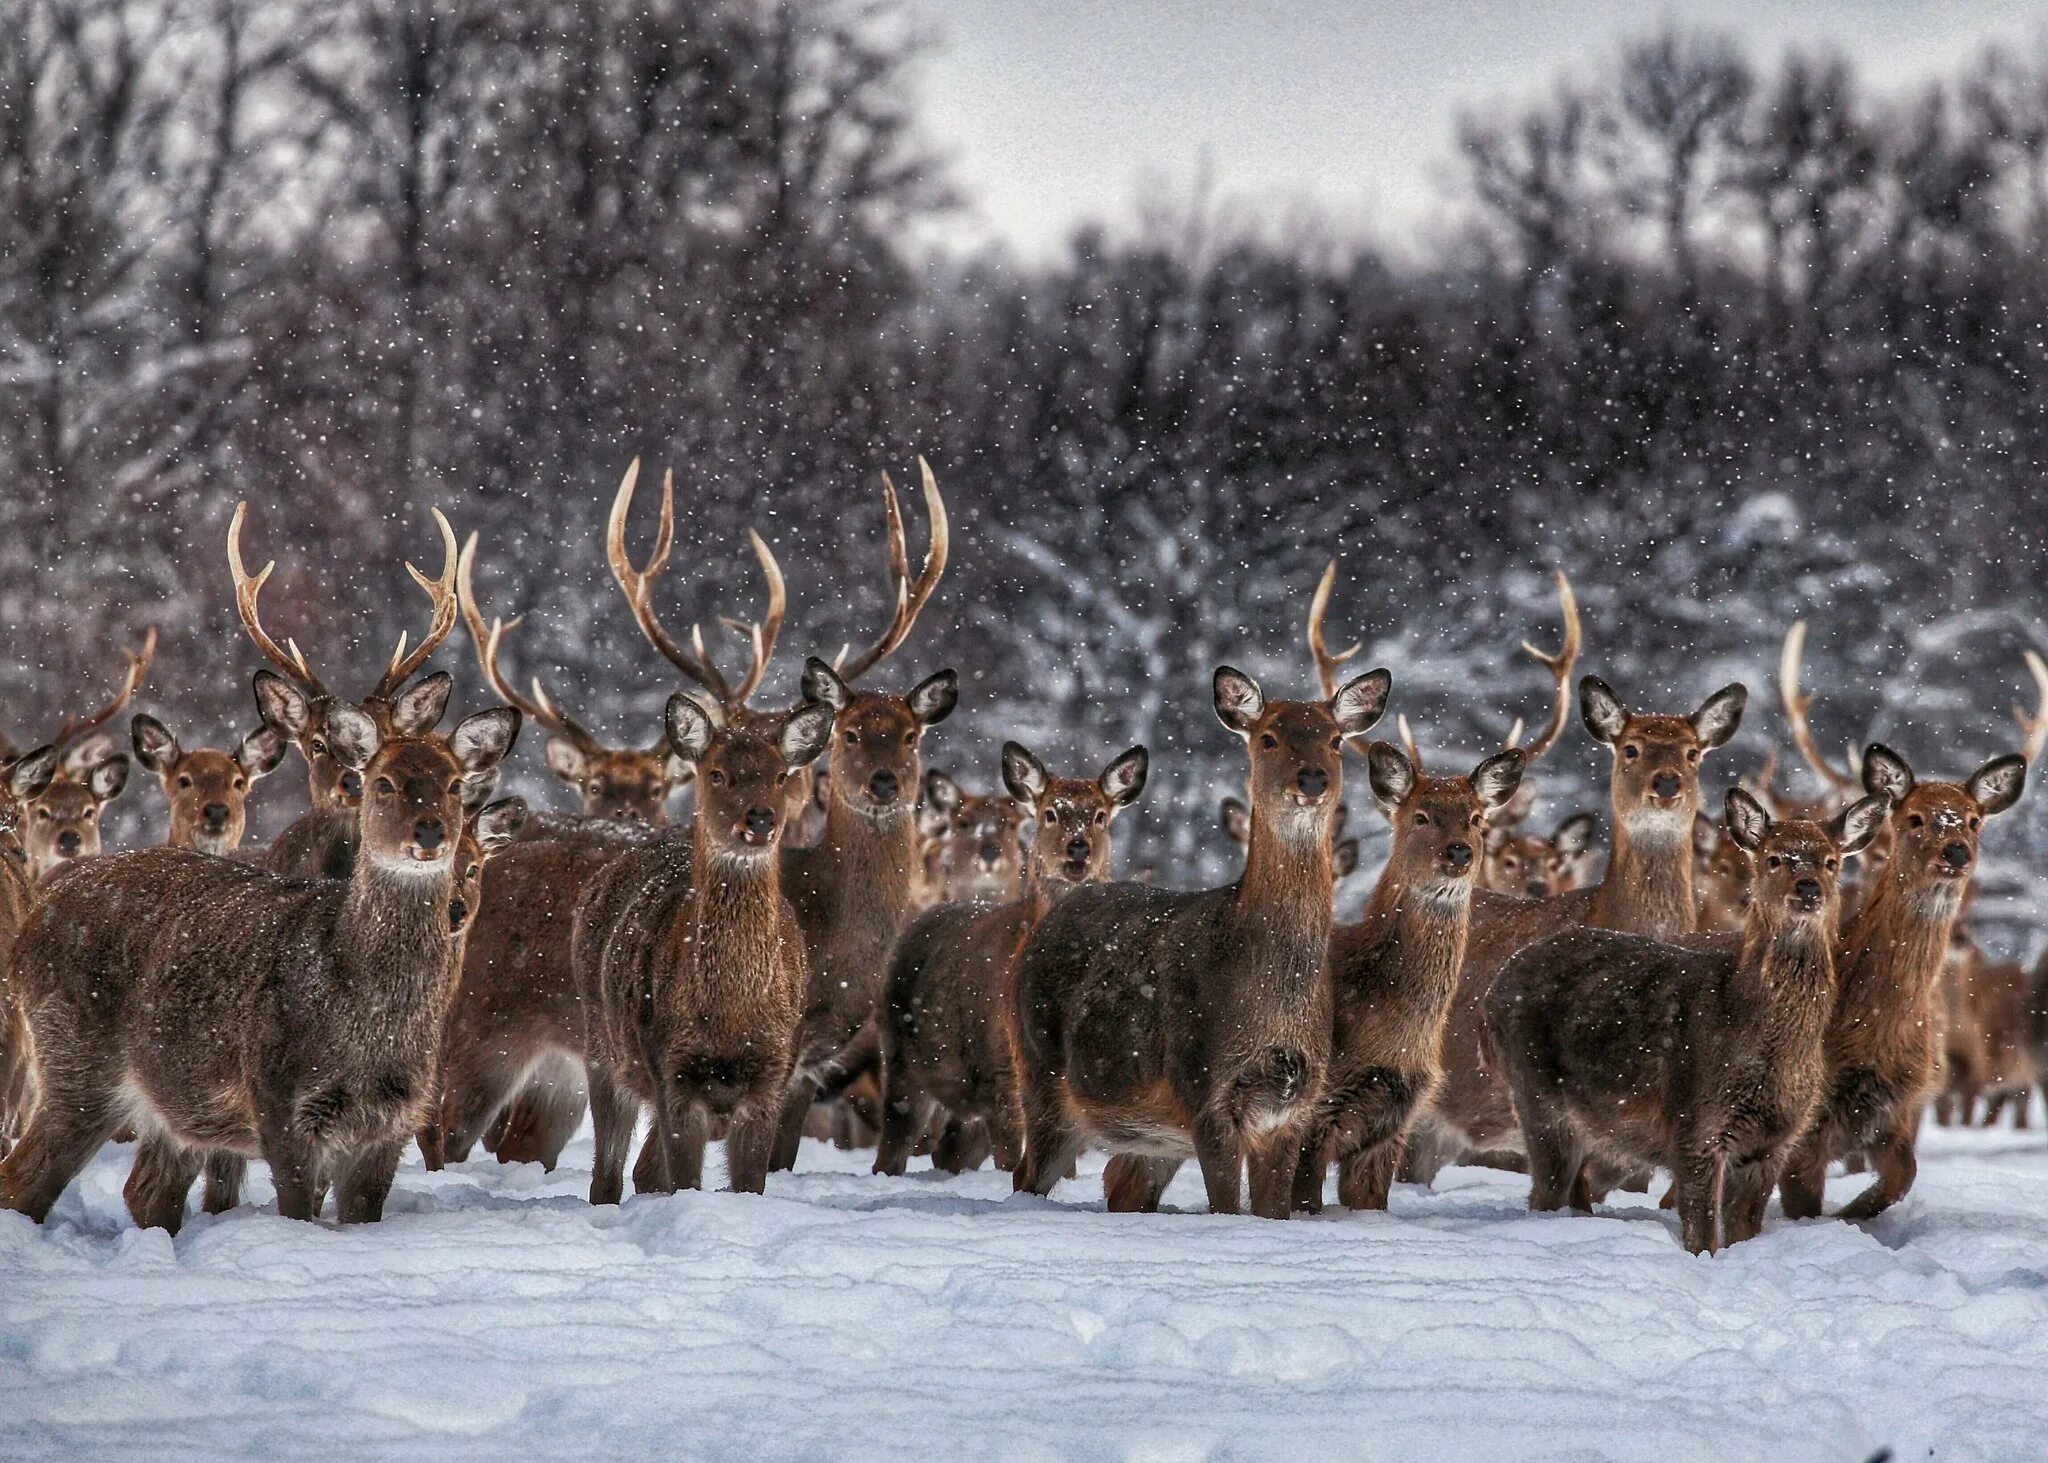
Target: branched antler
2036,725
1560,667
441,594
1327,663
287,657
910,598
138,667
1796,706
489,641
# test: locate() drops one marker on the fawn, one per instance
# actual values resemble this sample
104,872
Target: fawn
208,790
1702,1056
1176,1024
946,1018
691,964
219,1006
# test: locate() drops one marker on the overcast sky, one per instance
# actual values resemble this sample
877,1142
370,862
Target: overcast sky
1053,111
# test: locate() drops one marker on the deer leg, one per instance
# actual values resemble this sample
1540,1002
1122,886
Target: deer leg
613,1112
950,1154
1746,1192
1051,1142
294,1169
2022,1101
789,1134
1134,1183
905,1111
1555,1158
1365,1179
474,1081
682,1125
1311,1172
362,1187
1803,1184
750,1141
64,1132
159,1181
1896,1166
1220,1152
1272,1163
224,1172
1701,1176
1005,1134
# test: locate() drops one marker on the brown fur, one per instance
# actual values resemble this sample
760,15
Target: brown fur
64,822
208,790
1537,868
22,782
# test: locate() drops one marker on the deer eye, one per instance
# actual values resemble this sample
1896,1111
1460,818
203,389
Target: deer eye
780,778
910,738
1047,817
1422,820
1336,744
240,783
1509,861
319,747
1914,820
471,872
715,777
1975,824
1101,818
384,784
1775,861
455,787
852,738
1692,754
184,780
43,814
1269,741
1833,864
1631,751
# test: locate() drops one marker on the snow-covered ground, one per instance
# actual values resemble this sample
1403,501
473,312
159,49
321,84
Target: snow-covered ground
844,1315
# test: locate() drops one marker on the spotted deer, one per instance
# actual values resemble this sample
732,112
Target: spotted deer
1702,1055
223,1008
1171,1025
691,965
946,1018
62,822
208,790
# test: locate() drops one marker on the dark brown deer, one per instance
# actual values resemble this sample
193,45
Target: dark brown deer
691,965
1392,974
946,1020
208,790
21,783
221,1007
1882,1049
1703,1056
1172,1025
63,822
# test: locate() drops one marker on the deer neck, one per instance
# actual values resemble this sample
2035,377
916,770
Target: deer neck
1648,888
1423,930
1789,968
873,860
738,893
1288,886
395,924
1894,953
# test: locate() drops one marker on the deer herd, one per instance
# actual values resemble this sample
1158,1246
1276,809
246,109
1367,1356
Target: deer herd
843,943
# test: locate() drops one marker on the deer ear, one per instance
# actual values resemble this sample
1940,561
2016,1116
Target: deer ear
1239,702
932,820
260,753
1885,774
484,740
352,735
689,727
498,824
1344,858
1857,824
1024,775
1360,703
282,704
1575,835
932,699
477,789
30,777
420,707
107,778
1997,785
1497,778
806,734
1720,714
1747,820
1392,775
81,757
155,747
566,761
1602,710
1237,821
941,793
822,683
1123,779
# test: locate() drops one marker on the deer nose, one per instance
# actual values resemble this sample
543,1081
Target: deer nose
67,843
352,783
428,833
1538,889
1078,851
1956,855
760,822
882,786
215,813
1458,855
1312,781
991,853
1808,891
1665,784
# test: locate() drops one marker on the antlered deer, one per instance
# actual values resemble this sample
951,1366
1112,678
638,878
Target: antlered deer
1393,973
1704,1056
221,1007
691,965
946,1019
208,790
63,821
1170,1024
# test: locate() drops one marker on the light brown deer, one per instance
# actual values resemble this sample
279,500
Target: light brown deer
221,1007
1177,1025
1703,1056
21,783
974,843
691,964
947,1019
63,822
208,790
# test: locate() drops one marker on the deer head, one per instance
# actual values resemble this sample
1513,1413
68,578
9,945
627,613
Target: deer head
1297,748
1072,814
1797,865
1655,784
875,750
208,790
1935,825
744,776
1439,823
485,833
1533,866
974,841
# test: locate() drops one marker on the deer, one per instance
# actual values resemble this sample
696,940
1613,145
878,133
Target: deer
294,701
63,821
1524,863
222,1007
1344,852
1393,973
208,790
1720,875
946,1018
974,849
1702,1055
1167,1024
691,964
22,781
1882,1048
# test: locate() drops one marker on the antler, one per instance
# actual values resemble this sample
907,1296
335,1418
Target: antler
638,585
287,657
138,667
1560,667
2035,726
441,593
1327,663
1796,707
910,598
539,709
1408,743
